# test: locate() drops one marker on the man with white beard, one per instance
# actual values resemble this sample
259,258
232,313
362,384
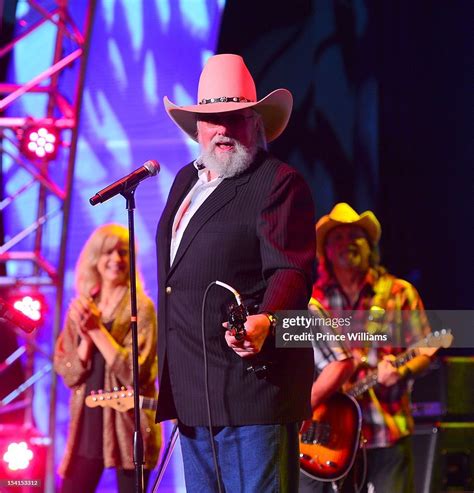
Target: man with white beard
239,216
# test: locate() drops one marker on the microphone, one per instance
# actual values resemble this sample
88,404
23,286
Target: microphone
150,168
7,312
237,316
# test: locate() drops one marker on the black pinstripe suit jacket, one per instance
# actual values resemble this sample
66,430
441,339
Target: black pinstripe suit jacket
256,233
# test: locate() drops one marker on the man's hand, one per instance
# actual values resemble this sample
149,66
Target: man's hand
257,328
387,374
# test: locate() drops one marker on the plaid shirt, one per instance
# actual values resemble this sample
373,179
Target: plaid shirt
325,353
386,414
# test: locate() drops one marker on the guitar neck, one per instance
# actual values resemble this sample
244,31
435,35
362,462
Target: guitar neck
369,381
427,347
148,403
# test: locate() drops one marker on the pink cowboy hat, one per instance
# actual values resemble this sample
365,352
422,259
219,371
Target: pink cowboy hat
227,85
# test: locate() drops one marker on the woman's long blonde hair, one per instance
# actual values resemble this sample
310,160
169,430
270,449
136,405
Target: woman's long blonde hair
88,279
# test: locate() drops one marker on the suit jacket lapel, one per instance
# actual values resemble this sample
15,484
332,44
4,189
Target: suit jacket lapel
223,194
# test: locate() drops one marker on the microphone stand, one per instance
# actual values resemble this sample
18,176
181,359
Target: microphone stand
166,458
129,195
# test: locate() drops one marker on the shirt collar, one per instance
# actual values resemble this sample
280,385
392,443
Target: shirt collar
198,164
203,175
368,283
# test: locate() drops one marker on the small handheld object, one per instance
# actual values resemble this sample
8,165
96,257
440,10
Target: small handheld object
237,316
237,313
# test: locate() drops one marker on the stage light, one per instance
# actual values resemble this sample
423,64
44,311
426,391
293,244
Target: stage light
23,453
40,142
18,456
30,304
30,307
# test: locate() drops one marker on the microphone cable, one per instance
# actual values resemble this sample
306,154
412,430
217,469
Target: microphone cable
206,371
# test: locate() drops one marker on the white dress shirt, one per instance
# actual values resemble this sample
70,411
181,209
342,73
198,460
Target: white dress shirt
191,203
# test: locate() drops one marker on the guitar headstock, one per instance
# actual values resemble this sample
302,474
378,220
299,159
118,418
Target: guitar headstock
434,341
120,399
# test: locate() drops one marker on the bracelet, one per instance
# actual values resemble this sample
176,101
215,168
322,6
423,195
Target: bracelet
273,322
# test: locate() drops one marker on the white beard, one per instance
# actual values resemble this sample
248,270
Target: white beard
231,164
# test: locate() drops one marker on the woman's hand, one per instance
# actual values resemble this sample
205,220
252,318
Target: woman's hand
85,315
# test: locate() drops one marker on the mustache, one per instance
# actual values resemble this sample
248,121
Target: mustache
350,250
222,140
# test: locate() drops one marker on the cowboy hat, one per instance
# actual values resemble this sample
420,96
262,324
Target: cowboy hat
227,85
343,213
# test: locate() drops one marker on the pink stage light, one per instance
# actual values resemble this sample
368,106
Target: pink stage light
40,142
23,454
30,305
18,456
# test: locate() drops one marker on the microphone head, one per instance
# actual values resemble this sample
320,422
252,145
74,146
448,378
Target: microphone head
96,199
152,166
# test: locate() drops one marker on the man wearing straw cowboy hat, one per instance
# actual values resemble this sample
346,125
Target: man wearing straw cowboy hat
351,280
240,216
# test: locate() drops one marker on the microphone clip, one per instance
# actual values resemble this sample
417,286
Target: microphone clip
261,368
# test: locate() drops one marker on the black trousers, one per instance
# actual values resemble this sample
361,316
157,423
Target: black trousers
388,470
84,476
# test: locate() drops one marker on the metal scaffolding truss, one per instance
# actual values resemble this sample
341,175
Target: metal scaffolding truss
61,112
43,179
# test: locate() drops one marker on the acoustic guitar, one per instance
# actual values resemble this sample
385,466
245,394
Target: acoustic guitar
329,446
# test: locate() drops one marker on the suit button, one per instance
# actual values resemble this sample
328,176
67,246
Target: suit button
168,289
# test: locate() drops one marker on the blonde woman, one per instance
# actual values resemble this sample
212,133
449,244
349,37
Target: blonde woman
94,351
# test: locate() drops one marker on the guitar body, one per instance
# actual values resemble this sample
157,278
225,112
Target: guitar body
328,448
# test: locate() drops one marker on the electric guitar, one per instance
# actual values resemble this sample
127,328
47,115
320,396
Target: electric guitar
120,400
329,446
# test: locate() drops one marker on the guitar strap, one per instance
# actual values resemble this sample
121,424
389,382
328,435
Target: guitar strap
378,305
376,322
317,308
382,290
